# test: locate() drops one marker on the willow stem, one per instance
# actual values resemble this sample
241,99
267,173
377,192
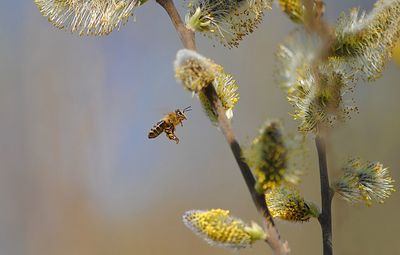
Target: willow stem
325,218
315,23
188,40
187,36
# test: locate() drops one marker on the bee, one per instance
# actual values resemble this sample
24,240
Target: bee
168,124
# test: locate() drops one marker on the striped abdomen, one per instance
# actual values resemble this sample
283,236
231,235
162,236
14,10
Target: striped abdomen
157,129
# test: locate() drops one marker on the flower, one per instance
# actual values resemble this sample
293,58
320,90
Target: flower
227,20
316,92
269,156
364,42
88,17
293,57
287,204
319,100
364,181
347,187
197,72
226,89
218,228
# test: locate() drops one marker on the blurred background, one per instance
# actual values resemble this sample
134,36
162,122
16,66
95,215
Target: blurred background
78,175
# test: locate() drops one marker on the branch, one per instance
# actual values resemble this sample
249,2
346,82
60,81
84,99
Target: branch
187,36
315,23
273,237
188,40
325,218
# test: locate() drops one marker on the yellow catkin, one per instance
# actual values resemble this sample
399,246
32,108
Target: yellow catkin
268,156
218,228
287,204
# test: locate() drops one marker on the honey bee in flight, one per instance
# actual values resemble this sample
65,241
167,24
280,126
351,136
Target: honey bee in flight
168,124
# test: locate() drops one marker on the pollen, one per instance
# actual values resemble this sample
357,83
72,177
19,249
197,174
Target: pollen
287,204
218,228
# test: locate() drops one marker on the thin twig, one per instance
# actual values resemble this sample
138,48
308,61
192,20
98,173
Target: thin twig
188,39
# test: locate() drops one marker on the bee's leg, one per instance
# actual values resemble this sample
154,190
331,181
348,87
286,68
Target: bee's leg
171,135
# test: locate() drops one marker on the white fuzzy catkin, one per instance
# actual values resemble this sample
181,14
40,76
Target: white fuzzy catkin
88,17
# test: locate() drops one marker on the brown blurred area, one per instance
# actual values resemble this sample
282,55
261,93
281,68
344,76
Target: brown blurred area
79,177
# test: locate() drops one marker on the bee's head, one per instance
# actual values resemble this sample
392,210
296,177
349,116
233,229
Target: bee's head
181,114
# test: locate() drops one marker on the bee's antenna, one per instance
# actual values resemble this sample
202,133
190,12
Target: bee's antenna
187,109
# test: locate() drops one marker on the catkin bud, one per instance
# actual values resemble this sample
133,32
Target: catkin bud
197,72
287,204
268,155
220,229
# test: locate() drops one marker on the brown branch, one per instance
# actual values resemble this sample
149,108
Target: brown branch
188,39
187,36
